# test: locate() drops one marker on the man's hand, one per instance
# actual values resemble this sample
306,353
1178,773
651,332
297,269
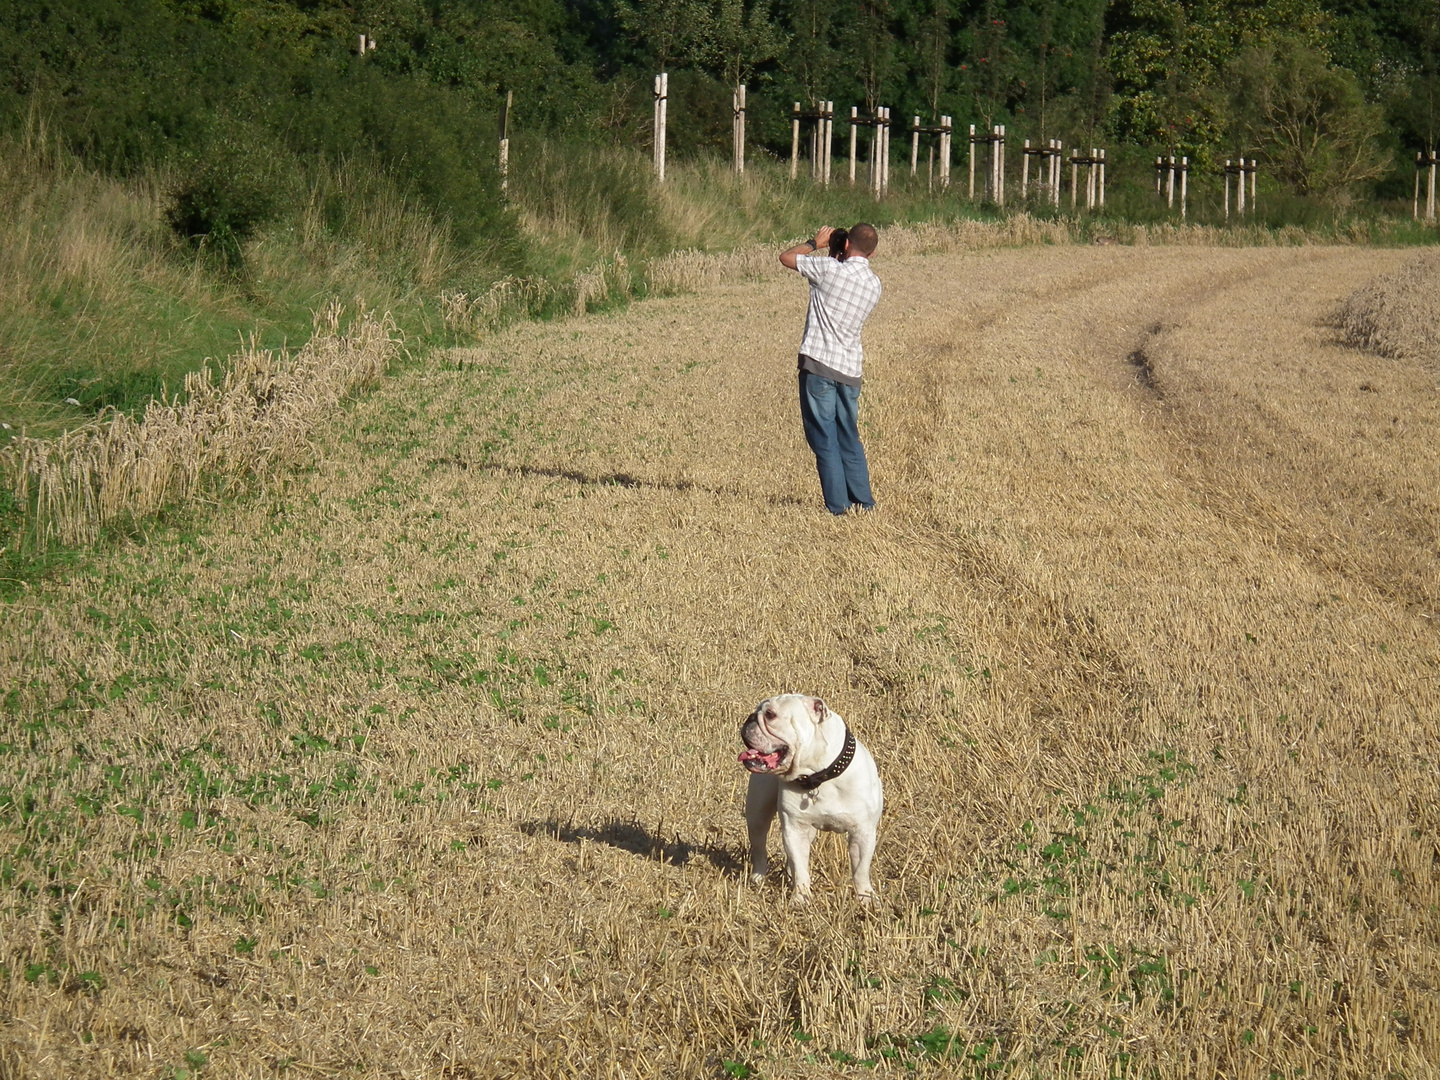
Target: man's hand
787,258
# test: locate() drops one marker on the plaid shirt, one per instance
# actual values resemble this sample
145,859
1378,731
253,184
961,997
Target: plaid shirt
842,295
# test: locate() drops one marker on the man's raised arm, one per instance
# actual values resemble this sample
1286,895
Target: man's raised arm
787,258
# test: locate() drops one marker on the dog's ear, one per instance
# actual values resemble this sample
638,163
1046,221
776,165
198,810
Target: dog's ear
821,712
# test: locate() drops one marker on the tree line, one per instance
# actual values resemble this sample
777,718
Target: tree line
1332,94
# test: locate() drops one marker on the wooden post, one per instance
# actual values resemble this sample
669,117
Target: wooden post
743,109
992,186
1415,210
1170,184
1058,151
999,145
738,104
817,140
914,146
882,174
829,139
1240,202
1430,198
1430,195
1090,181
854,116
885,148
505,144
1102,178
989,192
972,161
817,143
662,95
362,44
945,136
795,141
872,160
664,105
1254,170
873,174
1159,170
1184,185
1000,165
1227,189
1074,176
1024,170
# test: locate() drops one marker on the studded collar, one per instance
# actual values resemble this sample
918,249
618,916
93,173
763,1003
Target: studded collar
834,769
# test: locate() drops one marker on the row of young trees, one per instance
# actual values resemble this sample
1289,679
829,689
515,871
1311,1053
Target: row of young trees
1323,93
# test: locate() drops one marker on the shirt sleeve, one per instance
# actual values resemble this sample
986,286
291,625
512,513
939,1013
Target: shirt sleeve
814,268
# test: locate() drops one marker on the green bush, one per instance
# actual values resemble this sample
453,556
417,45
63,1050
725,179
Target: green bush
234,182
439,145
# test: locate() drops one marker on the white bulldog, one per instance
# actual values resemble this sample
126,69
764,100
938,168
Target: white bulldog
806,764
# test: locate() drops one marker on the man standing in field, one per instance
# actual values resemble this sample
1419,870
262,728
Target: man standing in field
843,292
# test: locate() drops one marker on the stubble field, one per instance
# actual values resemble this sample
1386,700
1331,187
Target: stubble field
422,763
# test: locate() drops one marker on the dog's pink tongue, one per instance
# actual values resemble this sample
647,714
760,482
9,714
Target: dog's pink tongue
754,759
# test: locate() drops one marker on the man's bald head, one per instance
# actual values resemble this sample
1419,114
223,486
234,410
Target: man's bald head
863,239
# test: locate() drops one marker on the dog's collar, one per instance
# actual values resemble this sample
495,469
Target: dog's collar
834,769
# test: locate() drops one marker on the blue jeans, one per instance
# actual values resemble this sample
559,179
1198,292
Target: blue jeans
830,411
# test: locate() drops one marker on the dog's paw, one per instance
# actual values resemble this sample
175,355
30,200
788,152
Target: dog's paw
799,899
757,877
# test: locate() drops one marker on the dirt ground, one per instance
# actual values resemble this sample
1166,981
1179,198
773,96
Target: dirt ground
423,764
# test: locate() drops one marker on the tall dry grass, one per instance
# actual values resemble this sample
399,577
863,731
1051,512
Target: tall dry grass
63,224
361,226
692,269
258,417
103,306
75,248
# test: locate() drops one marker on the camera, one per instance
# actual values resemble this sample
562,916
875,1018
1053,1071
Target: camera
837,243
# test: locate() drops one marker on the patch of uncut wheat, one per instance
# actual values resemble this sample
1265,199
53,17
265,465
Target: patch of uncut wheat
257,419
691,270
1397,314
688,271
615,521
